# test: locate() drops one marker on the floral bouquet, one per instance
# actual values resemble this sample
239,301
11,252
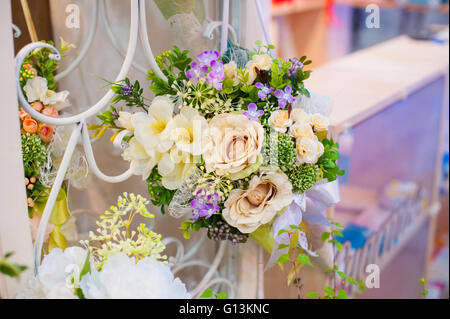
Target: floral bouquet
43,146
236,143
117,262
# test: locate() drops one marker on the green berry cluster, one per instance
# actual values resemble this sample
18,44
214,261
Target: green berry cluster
34,154
303,177
280,151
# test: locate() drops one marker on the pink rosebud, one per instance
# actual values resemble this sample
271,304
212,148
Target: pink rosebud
37,106
50,111
46,132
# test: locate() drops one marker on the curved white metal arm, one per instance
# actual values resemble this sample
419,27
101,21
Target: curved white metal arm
210,28
53,195
17,31
86,46
103,101
93,164
145,42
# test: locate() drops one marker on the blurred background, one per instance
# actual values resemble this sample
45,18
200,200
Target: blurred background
383,63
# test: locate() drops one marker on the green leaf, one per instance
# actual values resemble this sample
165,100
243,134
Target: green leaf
337,233
281,246
208,293
222,295
313,295
281,231
342,294
304,259
324,236
283,259
328,290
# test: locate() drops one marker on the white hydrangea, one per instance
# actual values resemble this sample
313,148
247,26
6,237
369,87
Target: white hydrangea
122,278
57,275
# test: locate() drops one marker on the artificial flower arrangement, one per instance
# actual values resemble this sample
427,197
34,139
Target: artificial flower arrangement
117,262
42,147
235,142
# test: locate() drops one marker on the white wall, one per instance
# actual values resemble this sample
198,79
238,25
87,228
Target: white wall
14,224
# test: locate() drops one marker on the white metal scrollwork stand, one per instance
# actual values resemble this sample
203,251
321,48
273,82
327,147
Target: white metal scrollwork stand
138,19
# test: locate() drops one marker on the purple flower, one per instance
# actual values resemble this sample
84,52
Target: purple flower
207,57
204,205
216,75
127,89
253,113
264,90
209,68
296,64
284,96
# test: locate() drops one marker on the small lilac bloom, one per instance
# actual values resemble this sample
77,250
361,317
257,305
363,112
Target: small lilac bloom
296,64
264,90
253,113
216,75
127,89
204,205
284,97
207,57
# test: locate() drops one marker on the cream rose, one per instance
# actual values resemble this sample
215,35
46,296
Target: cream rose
301,129
230,72
319,122
258,62
233,143
308,150
279,121
267,194
299,115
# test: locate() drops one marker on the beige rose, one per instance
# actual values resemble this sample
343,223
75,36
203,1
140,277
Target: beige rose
258,62
230,72
233,143
267,194
299,115
279,121
319,122
301,129
308,150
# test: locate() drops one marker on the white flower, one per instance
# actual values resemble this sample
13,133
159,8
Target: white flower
174,167
125,119
319,122
58,275
268,193
151,131
308,150
188,131
36,89
122,278
279,121
142,160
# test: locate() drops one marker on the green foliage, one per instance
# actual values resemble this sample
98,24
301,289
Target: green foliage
10,269
173,65
279,70
160,196
327,162
424,292
303,177
209,293
46,67
134,98
34,154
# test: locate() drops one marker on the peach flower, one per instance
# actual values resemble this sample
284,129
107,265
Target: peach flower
50,111
37,106
29,125
23,115
46,132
